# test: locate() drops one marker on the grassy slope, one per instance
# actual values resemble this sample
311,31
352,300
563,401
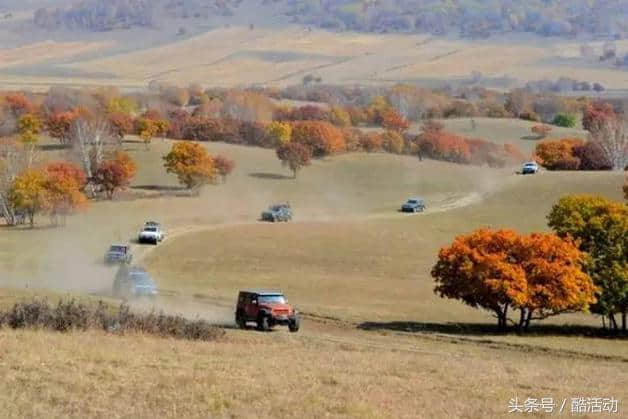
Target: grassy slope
251,375
348,254
501,131
279,55
363,270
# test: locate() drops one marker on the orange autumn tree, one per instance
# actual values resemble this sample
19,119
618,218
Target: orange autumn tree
557,282
321,137
394,121
192,164
115,173
540,275
440,145
59,125
558,154
64,185
19,104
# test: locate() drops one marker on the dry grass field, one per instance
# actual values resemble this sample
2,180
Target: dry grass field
375,342
312,375
234,55
42,51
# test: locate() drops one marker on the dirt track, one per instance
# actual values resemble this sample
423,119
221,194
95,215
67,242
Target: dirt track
222,312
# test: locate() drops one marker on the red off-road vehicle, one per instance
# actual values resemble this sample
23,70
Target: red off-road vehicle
267,309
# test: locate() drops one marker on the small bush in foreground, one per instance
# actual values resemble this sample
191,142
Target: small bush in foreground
73,315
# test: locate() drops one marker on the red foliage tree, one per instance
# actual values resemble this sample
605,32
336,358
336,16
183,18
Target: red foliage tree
591,156
322,137
153,114
178,121
120,124
371,141
64,185
393,120
224,166
295,156
308,113
69,171
114,174
19,104
596,115
59,125
442,145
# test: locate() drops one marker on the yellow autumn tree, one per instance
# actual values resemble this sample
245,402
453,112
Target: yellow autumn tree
279,133
28,193
192,164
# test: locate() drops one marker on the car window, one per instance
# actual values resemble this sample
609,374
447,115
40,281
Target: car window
271,299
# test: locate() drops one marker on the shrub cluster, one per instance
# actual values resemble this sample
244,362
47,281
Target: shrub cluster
571,154
435,143
72,315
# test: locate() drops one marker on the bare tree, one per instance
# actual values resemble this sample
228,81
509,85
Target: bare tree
518,101
401,103
247,106
611,136
13,160
90,140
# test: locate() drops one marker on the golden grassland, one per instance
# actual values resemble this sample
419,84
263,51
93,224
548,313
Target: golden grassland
46,50
310,374
375,342
236,56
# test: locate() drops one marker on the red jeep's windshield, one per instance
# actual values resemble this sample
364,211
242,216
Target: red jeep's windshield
271,299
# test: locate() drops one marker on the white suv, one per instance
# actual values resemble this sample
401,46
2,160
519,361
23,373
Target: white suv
151,233
529,168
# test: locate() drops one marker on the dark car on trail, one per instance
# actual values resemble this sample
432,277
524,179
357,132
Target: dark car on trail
118,254
280,212
413,205
267,309
133,282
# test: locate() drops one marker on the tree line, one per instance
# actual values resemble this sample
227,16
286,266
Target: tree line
93,163
467,19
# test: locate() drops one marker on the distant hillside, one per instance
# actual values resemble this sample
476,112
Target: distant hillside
469,18
466,18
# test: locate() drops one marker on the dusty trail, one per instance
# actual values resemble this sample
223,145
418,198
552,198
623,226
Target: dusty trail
79,270
221,312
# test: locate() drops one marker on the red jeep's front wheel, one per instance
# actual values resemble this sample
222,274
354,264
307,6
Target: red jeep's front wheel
293,325
263,324
240,321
